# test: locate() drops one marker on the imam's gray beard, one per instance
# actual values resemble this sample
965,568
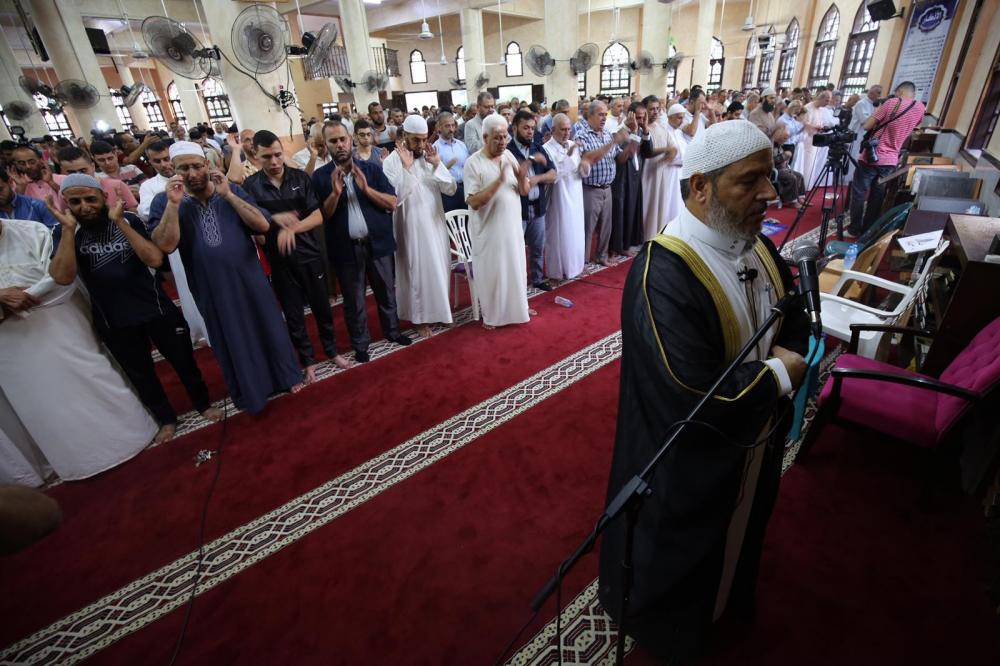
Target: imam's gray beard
727,222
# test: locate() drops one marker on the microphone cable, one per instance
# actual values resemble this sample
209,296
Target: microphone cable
201,535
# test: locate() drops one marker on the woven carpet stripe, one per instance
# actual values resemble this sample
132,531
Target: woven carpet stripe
97,626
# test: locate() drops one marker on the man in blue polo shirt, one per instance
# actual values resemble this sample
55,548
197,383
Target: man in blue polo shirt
14,206
112,253
357,201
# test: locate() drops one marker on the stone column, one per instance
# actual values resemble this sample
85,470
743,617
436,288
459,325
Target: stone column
354,24
251,107
34,125
475,47
562,38
65,38
137,110
656,19
703,41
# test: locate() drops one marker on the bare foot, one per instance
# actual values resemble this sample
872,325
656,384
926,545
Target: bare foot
424,330
165,433
606,263
342,362
213,414
532,312
488,327
310,377
298,387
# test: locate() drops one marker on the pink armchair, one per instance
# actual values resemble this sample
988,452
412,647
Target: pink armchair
909,406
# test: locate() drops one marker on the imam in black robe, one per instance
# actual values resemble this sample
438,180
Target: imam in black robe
682,528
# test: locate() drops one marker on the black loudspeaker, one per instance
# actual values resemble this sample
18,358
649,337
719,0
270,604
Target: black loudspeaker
880,10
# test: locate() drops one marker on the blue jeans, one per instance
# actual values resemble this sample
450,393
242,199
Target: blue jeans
534,238
866,187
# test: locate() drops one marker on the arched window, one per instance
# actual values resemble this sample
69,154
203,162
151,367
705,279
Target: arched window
826,45
514,60
216,102
124,115
716,64
154,113
766,61
418,67
174,97
615,79
460,63
860,49
789,55
671,72
750,62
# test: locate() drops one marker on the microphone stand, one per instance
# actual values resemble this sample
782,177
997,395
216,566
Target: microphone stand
630,498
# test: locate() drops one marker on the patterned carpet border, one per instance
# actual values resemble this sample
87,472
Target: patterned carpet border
589,634
191,421
91,629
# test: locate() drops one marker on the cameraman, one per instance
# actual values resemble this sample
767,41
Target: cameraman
887,129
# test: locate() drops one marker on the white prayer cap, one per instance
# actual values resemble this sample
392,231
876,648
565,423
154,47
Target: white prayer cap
768,92
492,122
415,124
178,148
723,144
676,108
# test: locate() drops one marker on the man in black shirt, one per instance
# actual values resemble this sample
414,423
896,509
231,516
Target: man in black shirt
294,250
112,253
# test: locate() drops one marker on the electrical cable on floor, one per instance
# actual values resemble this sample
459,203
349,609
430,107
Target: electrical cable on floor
201,534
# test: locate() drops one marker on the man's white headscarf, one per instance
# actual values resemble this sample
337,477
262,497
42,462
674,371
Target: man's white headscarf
723,144
178,148
415,124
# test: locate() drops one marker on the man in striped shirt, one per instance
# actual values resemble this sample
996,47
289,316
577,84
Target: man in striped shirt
600,148
892,123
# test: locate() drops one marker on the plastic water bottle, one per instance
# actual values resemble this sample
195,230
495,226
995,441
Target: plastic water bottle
851,256
565,302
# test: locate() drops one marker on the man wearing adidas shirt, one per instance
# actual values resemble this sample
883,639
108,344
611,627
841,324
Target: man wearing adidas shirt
111,252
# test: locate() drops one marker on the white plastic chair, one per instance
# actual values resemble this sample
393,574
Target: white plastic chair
461,247
838,313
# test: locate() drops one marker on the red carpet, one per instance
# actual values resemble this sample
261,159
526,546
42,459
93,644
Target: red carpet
298,443
439,568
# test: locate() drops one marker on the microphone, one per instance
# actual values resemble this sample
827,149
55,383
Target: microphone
805,256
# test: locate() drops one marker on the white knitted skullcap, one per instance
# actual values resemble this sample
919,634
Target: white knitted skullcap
723,144
178,148
492,122
415,124
768,92
676,108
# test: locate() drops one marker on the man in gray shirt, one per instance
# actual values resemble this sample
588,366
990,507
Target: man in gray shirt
474,128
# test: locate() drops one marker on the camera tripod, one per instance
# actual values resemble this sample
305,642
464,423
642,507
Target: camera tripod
835,169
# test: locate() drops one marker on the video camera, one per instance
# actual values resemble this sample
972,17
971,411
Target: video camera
838,137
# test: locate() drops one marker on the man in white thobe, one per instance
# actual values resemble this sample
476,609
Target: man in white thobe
494,185
158,156
659,203
861,112
819,116
49,356
423,259
564,246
